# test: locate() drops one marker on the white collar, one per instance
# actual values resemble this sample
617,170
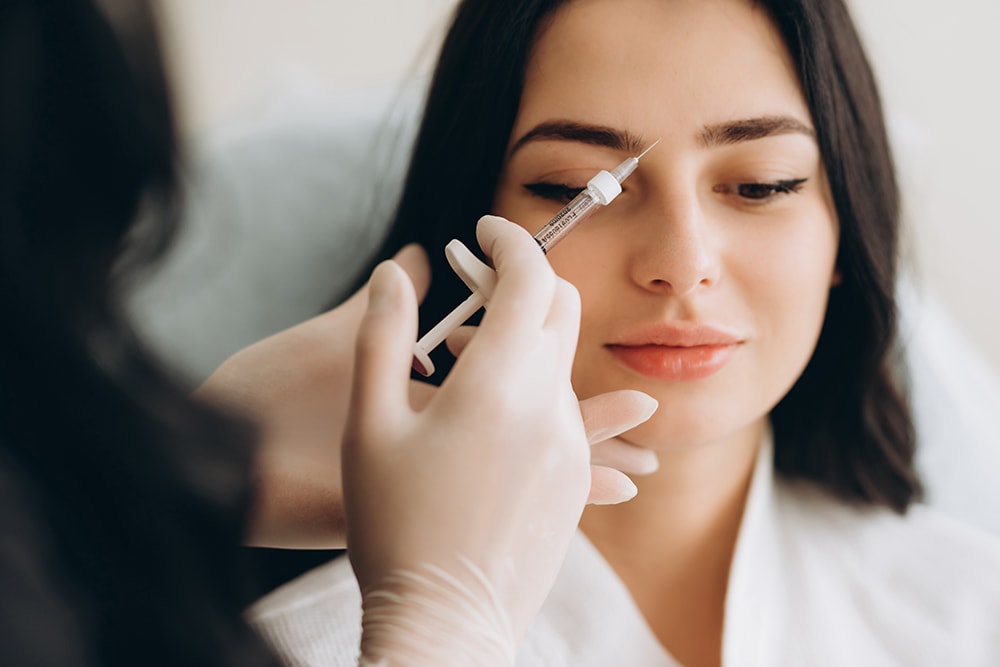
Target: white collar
754,617
594,613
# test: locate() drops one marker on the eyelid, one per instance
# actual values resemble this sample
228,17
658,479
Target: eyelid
778,187
789,184
553,191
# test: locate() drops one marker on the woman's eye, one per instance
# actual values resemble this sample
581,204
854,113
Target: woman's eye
557,192
762,192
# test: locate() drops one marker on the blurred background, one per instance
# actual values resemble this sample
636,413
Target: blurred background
936,63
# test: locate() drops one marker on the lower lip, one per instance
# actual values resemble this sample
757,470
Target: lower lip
674,364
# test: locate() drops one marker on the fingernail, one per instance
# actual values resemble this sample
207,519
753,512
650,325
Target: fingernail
602,434
624,494
493,220
622,490
646,464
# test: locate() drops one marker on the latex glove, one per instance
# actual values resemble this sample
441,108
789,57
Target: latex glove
604,417
296,385
460,514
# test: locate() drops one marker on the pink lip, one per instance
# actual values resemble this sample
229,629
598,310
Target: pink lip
676,353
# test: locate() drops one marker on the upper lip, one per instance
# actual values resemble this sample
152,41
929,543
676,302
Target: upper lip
677,334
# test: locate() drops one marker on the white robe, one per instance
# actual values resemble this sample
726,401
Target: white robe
814,582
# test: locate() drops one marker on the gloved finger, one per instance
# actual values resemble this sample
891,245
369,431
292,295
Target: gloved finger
413,260
609,487
620,455
525,287
459,338
608,415
564,319
384,347
421,394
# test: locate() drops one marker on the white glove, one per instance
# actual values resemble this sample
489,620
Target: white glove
459,515
296,385
604,417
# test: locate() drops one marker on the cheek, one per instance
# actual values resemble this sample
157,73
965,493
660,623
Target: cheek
792,309
591,262
788,288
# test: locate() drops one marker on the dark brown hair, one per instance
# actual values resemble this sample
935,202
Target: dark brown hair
845,424
133,497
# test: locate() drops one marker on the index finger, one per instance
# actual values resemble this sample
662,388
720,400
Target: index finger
526,284
384,349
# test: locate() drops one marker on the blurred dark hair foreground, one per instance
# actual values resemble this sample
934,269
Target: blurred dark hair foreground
123,500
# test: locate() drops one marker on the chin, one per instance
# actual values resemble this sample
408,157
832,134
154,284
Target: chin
688,419
673,432
691,414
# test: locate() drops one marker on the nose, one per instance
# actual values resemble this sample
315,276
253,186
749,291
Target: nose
675,248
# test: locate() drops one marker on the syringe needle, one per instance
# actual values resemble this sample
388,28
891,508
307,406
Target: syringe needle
647,149
601,190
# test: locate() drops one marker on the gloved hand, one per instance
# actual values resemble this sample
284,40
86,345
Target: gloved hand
296,385
460,514
604,417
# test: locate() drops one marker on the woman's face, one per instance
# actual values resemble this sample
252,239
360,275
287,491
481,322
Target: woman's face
705,283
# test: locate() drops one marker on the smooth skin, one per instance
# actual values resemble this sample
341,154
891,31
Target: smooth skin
699,237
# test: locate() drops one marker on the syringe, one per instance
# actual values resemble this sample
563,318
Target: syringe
601,190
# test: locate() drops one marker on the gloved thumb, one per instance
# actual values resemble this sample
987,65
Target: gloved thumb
384,348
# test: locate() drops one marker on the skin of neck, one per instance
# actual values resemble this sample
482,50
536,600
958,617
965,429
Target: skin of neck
685,499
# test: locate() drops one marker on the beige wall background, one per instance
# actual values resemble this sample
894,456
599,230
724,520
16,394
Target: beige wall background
936,63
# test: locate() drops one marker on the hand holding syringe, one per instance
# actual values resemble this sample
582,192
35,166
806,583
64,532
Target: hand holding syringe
601,190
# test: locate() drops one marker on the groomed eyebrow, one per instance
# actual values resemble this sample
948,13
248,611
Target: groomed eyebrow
711,136
594,135
738,131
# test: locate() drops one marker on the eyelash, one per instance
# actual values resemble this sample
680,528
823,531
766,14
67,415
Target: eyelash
761,193
757,193
557,192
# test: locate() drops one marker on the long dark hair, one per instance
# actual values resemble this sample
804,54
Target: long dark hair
845,424
142,492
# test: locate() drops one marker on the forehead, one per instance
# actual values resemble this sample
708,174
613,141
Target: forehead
659,65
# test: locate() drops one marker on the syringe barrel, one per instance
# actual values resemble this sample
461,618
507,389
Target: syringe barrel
564,221
601,190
